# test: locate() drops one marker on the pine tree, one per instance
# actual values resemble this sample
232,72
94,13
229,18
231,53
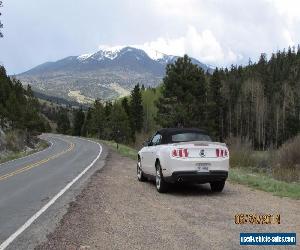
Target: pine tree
136,109
184,96
3,115
125,105
63,122
14,111
29,91
215,106
78,122
99,119
119,124
86,127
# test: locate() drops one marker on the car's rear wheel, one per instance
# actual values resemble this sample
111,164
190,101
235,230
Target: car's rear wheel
217,186
160,183
139,171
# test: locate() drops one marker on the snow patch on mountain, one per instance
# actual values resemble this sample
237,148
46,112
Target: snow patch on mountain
109,52
84,56
112,49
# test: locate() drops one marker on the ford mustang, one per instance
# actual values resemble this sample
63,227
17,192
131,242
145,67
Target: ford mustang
176,155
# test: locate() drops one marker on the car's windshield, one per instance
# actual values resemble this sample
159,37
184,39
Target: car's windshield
190,136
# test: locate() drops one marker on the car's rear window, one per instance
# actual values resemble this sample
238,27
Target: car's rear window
190,136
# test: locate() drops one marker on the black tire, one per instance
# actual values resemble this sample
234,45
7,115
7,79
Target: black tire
161,185
139,172
217,186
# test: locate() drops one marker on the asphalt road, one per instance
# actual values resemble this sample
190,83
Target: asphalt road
30,186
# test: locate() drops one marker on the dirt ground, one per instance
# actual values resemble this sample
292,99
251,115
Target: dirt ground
115,211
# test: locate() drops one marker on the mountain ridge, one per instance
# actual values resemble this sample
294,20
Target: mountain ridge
94,74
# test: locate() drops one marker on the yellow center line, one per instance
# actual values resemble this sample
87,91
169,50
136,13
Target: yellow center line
36,164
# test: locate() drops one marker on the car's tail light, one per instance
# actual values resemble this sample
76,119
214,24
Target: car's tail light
180,152
221,152
174,153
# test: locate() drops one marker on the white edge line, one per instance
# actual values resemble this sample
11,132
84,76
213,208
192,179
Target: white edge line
11,238
6,162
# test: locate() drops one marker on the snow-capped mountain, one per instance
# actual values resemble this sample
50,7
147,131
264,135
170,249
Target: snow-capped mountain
113,52
107,73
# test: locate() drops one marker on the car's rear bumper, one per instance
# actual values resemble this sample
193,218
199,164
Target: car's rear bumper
172,165
197,177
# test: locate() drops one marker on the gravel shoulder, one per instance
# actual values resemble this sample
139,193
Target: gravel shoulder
115,211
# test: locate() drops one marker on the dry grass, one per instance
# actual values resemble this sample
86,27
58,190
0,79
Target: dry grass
79,97
243,156
286,163
12,155
282,164
15,140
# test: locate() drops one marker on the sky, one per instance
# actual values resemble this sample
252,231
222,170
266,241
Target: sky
219,33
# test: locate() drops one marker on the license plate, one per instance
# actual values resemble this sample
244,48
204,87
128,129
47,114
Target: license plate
202,167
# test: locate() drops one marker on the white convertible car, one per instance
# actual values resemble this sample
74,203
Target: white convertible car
175,155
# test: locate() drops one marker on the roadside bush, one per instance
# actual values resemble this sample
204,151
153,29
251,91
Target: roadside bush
2,140
240,153
286,164
243,156
282,164
15,140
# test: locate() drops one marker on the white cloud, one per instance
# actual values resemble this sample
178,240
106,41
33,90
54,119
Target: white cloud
204,45
288,37
169,46
287,8
231,31
179,8
201,45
